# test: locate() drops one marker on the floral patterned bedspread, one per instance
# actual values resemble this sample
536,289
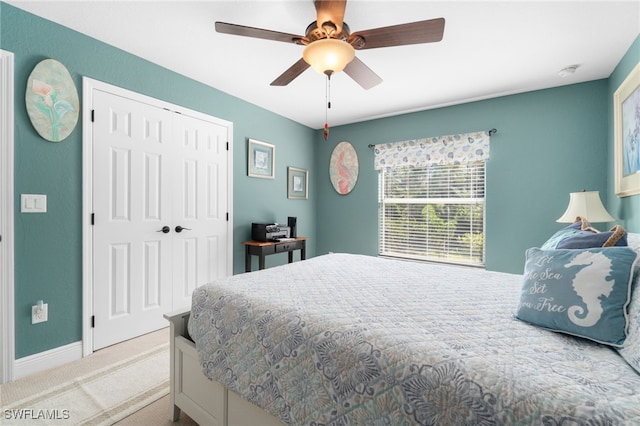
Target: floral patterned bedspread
347,339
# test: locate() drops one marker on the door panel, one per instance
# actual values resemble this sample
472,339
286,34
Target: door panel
151,275
132,201
200,194
119,283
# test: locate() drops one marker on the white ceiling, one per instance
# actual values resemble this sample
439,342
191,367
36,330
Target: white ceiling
489,49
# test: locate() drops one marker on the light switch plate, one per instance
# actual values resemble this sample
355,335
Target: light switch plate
33,203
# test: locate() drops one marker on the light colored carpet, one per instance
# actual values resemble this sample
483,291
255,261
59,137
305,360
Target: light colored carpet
125,384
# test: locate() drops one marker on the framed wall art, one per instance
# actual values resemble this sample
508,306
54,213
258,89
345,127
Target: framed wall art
343,168
52,100
297,183
626,118
261,159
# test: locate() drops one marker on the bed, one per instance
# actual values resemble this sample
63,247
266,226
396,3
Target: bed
344,339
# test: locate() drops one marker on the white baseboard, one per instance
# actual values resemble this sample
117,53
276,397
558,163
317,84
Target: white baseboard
45,360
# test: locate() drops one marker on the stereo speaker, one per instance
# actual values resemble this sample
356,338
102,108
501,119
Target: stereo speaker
292,223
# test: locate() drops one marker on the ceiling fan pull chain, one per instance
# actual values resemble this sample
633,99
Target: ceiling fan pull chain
329,90
326,111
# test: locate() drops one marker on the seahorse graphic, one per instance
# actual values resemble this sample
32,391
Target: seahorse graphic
590,283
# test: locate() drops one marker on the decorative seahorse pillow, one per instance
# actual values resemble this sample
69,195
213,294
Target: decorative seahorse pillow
583,292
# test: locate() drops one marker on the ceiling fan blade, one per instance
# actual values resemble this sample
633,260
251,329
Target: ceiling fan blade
428,31
241,30
330,10
362,74
289,75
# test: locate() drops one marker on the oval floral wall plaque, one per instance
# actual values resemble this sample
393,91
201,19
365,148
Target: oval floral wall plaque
52,100
343,168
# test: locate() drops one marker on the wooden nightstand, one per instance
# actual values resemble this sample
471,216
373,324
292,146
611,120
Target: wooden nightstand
265,248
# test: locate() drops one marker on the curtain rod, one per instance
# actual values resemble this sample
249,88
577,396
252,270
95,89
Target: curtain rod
491,133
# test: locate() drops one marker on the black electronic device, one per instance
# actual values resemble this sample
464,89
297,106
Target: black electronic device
269,232
293,226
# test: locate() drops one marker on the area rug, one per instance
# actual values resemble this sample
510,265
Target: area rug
101,397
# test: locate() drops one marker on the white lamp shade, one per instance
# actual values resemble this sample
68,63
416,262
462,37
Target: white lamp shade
328,54
586,204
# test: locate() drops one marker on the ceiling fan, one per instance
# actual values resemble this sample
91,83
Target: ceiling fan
329,34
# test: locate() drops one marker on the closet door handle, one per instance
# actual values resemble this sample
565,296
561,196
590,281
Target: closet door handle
179,229
165,229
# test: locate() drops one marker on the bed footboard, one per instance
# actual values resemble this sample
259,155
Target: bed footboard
205,401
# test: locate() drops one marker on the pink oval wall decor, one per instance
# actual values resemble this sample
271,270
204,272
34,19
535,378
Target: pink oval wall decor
343,168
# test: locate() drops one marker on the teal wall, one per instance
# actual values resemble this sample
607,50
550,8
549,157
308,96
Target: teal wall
48,247
626,209
549,143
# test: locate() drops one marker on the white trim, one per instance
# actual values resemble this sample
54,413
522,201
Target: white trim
7,326
87,208
48,359
88,86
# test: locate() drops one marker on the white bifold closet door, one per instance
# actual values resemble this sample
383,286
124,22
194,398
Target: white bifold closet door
160,205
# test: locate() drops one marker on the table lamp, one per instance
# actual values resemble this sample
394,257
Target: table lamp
586,204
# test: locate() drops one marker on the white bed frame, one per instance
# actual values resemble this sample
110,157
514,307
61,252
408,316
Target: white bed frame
205,401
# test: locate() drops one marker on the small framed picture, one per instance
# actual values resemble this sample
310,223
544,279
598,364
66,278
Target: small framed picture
297,183
626,104
261,158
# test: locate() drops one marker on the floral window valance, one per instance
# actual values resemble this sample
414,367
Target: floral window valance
450,149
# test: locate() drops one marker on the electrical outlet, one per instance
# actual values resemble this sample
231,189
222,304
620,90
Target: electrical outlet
39,315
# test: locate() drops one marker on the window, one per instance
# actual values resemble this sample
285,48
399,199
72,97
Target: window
433,212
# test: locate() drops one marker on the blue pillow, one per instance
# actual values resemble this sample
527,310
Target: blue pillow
581,234
580,292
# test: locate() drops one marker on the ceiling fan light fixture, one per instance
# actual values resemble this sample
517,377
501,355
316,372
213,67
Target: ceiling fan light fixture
328,55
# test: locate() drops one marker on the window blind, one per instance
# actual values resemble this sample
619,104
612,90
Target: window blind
433,213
